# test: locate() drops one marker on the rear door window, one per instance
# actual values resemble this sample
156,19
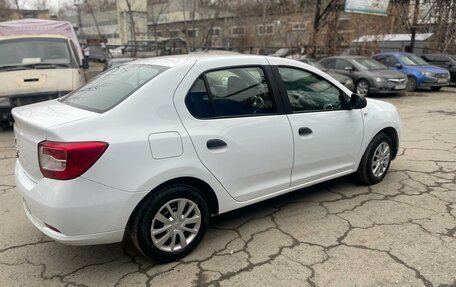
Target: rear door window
231,92
112,87
342,64
328,64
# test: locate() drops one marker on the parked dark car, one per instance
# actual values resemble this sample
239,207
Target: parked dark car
98,53
369,76
116,62
344,80
420,73
444,61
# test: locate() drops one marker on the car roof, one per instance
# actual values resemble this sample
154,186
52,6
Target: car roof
45,36
347,57
437,54
177,60
394,53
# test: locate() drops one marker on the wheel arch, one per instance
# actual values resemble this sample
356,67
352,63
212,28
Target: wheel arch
394,136
205,189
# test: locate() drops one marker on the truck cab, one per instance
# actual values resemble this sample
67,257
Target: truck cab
35,68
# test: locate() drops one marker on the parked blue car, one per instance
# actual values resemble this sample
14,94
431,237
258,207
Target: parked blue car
420,73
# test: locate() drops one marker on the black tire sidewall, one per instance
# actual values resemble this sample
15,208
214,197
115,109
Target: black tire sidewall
411,80
378,139
143,221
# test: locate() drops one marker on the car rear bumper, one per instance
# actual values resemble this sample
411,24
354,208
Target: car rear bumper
78,211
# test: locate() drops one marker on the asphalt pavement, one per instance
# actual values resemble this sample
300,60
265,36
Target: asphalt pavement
401,232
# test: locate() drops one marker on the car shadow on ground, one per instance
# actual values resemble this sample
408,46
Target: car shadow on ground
61,258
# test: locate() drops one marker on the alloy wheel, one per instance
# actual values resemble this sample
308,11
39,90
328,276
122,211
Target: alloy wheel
175,225
362,88
381,159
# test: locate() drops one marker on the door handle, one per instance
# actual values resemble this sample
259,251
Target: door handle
304,131
215,144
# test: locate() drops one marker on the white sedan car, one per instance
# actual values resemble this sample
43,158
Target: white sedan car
152,148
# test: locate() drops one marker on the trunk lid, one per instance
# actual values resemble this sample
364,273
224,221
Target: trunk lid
30,128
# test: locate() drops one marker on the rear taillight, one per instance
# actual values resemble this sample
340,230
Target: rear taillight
68,160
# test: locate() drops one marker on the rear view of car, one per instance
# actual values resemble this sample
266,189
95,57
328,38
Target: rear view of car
420,73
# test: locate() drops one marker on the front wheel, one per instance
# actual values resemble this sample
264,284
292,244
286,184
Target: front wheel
376,160
411,84
435,89
171,223
362,87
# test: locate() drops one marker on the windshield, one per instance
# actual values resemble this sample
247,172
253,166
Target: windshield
369,64
317,65
412,60
112,87
39,51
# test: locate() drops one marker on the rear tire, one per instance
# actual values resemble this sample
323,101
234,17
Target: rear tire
376,160
411,84
170,223
435,89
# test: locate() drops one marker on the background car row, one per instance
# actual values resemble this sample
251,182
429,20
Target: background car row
389,73
384,73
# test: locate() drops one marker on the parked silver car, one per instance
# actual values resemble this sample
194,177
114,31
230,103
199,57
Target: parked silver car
369,76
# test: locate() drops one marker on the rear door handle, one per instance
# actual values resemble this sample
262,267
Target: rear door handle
304,131
215,144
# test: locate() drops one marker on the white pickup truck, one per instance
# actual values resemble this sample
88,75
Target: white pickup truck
39,60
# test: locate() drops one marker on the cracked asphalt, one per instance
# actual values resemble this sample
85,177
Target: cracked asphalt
401,232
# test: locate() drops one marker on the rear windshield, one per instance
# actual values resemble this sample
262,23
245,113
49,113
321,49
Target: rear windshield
112,87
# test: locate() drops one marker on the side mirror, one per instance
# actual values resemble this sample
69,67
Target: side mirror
398,66
85,63
357,101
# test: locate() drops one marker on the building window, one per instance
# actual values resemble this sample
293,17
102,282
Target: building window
298,26
237,31
215,31
267,29
174,33
192,33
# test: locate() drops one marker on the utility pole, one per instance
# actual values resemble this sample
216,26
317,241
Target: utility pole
416,11
316,24
77,3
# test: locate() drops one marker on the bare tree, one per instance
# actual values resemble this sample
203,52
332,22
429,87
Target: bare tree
189,8
216,6
157,10
89,7
41,4
65,9
129,4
